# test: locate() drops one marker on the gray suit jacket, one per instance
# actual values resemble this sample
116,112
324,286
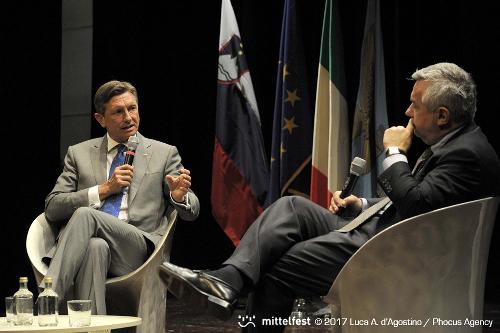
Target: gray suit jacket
149,196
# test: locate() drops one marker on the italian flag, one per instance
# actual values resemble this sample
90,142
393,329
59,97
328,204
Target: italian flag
331,139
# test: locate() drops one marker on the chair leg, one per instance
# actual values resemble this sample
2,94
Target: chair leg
152,306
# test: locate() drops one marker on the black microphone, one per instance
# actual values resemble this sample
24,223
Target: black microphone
357,166
131,148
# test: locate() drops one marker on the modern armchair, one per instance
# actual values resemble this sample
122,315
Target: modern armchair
424,270
139,293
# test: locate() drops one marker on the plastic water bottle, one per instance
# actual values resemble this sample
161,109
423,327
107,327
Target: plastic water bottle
299,309
47,304
23,300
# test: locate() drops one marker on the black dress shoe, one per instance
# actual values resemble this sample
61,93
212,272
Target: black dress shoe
202,291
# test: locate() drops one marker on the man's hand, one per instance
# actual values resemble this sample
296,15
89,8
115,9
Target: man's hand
179,185
352,203
399,136
121,177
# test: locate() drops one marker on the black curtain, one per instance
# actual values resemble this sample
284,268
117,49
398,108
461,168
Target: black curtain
30,62
168,50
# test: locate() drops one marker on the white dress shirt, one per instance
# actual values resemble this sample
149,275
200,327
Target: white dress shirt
93,193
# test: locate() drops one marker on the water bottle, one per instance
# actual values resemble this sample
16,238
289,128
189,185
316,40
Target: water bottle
299,309
23,300
47,304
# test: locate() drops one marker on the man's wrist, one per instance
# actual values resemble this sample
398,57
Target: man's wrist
103,190
182,201
393,150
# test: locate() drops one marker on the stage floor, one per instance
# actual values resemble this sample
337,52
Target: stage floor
180,320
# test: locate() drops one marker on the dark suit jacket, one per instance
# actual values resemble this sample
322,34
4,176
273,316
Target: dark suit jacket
465,168
149,196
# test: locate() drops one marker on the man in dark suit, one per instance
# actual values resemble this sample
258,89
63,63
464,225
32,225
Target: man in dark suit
112,214
296,248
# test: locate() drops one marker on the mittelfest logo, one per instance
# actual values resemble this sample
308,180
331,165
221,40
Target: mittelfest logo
244,321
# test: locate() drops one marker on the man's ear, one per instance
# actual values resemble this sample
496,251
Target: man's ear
100,119
443,117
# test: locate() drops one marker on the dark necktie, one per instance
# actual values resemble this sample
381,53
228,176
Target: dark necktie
421,160
113,203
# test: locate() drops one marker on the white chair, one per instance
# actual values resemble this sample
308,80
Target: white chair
40,239
140,293
428,267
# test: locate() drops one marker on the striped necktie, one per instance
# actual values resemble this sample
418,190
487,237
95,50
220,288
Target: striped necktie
421,160
113,203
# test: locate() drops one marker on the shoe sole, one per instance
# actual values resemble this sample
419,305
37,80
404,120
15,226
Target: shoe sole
198,300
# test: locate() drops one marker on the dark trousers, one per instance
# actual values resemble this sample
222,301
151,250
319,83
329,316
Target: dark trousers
293,250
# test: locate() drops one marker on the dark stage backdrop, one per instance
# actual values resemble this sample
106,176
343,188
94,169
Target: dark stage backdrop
30,62
169,51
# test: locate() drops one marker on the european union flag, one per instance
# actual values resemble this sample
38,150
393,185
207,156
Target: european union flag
293,115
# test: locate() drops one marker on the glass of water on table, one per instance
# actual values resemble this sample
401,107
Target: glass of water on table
79,312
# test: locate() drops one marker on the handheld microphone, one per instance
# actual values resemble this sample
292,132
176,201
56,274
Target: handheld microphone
131,144
357,166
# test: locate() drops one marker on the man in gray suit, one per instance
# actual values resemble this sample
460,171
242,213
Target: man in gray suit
112,214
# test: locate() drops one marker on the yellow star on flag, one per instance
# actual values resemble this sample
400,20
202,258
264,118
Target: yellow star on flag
292,97
282,149
285,72
290,124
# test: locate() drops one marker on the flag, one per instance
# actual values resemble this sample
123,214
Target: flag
331,144
370,116
239,171
293,115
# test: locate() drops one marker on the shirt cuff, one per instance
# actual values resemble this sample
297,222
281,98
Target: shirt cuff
388,161
93,194
365,204
184,204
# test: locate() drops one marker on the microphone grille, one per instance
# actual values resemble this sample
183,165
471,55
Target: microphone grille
132,142
358,166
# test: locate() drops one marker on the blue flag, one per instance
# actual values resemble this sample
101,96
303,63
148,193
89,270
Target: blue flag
293,115
370,116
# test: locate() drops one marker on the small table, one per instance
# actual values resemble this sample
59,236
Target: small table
101,324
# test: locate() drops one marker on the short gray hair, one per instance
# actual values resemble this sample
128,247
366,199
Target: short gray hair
450,86
109,90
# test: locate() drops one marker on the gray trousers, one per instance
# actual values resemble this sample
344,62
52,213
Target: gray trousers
292,250
93,246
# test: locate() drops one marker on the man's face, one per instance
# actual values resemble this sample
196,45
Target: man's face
121,117
424,120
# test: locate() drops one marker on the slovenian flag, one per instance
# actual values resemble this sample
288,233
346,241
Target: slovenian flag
240,174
